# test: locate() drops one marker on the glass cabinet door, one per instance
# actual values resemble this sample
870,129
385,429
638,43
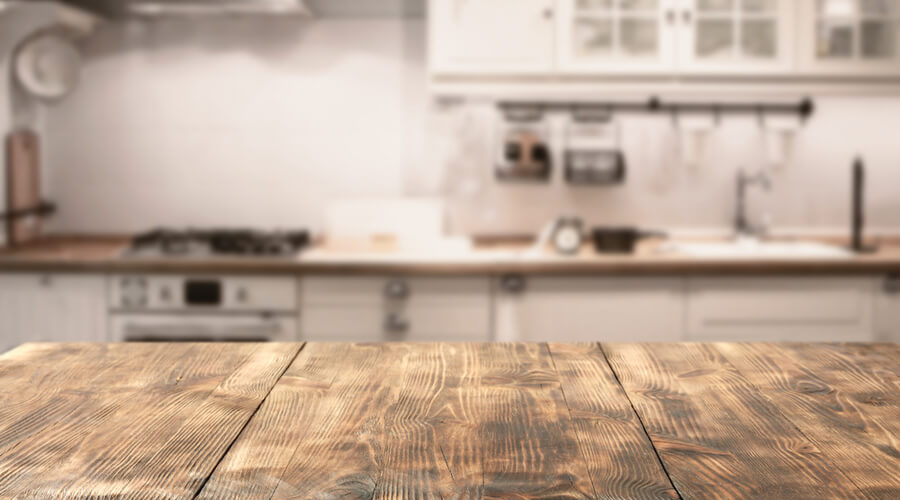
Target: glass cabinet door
626,35
738,35
860,33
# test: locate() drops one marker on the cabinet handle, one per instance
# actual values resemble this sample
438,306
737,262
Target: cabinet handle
892,284
671,16
513,283
395,323
396,289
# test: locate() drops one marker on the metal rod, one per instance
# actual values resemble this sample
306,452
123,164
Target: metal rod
804,108
43,209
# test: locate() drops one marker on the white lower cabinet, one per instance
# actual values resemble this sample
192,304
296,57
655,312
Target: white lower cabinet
780,309
51,308
581,309
395,309
887,309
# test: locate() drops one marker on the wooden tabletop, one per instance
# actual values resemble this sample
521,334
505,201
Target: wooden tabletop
462,421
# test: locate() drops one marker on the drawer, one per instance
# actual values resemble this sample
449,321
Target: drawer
374,290
780,309
426,323
606,309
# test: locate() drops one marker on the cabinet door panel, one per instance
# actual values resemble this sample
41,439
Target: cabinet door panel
491,36
780,309
736,36
592,309
336,308
615,36
850,37
887,309
51,308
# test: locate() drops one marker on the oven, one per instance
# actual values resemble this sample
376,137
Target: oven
170,308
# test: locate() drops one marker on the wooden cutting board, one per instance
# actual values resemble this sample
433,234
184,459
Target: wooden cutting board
23,184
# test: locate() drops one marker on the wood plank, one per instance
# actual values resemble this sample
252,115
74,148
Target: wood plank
620,459
330,408
848,413
411,421
77,389
718,437
431,445
152,422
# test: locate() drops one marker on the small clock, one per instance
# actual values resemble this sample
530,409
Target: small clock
568,235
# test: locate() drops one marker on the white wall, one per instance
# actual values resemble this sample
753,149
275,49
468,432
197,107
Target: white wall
243,123
16,22
236,122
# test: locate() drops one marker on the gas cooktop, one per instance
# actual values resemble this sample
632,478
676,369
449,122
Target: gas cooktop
179,243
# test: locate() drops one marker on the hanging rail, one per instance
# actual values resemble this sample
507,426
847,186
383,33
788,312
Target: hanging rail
804,108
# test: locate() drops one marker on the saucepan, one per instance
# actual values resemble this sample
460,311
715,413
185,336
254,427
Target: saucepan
621,240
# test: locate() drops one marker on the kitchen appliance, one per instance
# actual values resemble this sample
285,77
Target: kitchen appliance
24,207
202,243
169,308
524,152
593,154
620,240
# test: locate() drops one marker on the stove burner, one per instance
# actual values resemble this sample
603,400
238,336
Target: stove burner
168,242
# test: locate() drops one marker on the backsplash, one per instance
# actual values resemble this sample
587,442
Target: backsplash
339,109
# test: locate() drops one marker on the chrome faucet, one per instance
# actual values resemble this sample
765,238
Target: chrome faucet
742,225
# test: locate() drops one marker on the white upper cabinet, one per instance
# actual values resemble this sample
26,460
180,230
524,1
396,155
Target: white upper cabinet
856,37
492,36
795,39
616,36
736,36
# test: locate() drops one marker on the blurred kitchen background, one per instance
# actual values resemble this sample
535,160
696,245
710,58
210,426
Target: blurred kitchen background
451,170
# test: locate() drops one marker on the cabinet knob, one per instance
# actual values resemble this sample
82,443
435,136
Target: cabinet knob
671,16
46,280
242,295
396,289
548,13
687,16
513,283
892,284
395,323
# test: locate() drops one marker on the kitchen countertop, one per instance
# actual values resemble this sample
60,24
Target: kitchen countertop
409,421
103,254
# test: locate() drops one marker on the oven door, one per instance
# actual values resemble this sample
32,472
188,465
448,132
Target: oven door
203,328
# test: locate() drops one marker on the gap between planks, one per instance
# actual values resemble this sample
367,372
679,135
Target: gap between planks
639,419
287,366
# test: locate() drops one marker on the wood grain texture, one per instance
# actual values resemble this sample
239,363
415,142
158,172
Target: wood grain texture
619,456
126,420
846,411
717,435
433,421
449,421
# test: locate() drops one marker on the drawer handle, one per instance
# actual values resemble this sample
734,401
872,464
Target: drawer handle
396,289
394,323
513,283
892,284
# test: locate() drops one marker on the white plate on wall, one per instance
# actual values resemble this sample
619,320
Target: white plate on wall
48,66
